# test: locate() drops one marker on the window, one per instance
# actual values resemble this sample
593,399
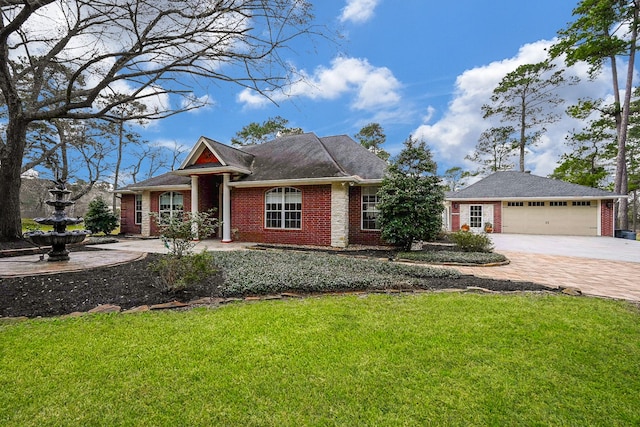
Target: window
557,203
283,208
475,216
138,209
370,213
515,204
171,204
536,203
581,203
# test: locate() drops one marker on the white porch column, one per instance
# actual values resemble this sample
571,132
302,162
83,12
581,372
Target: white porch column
339,215
194,201
226,209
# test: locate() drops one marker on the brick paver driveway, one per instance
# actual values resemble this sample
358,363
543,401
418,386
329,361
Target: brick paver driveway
599,266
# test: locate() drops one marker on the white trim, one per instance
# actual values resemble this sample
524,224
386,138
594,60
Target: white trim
197,150
527,199
212,170
163,188
303,181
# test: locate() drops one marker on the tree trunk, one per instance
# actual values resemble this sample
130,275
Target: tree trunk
523,137
10,169
621,180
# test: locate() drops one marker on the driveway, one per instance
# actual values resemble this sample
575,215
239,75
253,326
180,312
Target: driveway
598,266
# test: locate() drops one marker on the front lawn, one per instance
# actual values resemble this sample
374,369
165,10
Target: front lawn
427,359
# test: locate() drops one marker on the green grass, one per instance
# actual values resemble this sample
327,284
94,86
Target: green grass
30,225
426,359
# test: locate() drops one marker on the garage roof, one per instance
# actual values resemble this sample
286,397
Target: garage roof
523,185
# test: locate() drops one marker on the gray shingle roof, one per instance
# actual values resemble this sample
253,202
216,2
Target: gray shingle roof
354,158
290,157
307,156
230,155
166,179
511,184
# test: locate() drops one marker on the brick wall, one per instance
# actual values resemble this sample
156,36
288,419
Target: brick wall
128,215
497,214
607,219
358,236
155,206
247,217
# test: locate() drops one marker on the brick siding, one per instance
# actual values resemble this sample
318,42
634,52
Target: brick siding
358,236
247,217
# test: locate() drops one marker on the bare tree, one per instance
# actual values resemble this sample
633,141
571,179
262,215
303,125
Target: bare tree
151,51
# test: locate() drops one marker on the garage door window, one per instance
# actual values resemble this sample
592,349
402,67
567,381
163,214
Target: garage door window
581,203
515,204
536,203
557,203
475,216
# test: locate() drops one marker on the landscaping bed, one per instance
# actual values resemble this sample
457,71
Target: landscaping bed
238,274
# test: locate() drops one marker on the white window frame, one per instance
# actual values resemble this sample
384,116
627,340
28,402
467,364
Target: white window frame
472,218
137,206
283,216
369,212
174,208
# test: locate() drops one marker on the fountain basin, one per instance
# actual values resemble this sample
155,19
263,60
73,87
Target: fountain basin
57,241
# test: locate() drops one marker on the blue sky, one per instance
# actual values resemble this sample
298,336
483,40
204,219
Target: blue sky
416,67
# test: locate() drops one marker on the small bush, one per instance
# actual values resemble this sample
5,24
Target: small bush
99,218
444,257
472,242
178,233
177,273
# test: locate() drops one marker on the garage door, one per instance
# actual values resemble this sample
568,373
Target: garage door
564,218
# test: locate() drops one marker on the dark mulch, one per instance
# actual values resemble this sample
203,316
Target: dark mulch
134,284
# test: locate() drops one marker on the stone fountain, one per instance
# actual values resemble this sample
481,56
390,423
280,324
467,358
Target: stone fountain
59,238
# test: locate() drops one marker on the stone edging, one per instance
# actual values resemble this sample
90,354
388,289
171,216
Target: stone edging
454,264
217,302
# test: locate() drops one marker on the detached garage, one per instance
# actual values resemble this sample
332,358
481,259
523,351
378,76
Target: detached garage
521,203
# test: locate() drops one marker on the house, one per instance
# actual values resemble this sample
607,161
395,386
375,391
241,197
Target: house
522,203
297,189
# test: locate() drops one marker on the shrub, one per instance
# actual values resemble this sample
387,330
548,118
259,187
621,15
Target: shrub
179,272
252,272
99,218
411,197
472,242
179,232
444,257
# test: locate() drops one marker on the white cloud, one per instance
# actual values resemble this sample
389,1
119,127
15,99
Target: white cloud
358,11
456,133
374,88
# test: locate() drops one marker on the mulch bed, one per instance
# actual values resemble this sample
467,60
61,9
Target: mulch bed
134,284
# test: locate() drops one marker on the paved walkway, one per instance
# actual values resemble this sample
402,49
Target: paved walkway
598,266
126,250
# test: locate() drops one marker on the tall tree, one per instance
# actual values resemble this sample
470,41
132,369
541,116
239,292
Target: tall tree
454,178
144,50
603,31
372,137
258,133
525,99
411,197
494,150
590,150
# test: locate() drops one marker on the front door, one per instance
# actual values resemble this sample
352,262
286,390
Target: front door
475,218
